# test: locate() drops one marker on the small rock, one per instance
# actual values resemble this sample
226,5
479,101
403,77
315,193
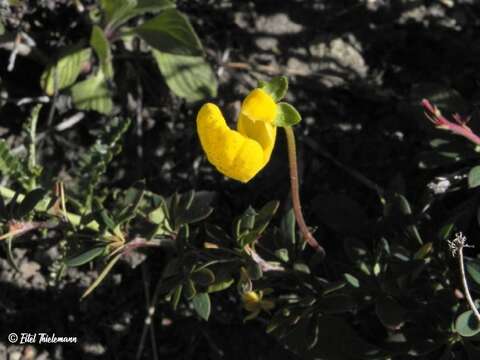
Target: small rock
277,24
340,60
95,349
15,355
267,44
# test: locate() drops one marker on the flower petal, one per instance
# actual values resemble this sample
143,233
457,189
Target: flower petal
232,153
260,131
259,106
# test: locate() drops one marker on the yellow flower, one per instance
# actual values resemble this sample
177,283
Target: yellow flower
239,154
254,302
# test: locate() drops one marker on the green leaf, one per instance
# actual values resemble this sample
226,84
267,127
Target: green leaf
103,218
100,44
424,251
177,292
144,6
102,275
252,224
217,234
282,254
189,290
93,164
472,267
254,270
399,209
277,87
474,177
287,115
93,94
171,32
287,229
352,280
32,199
117,10
312,331
265,215
301,267
189,77
245,223
203,277
201,304
120,11
466,324
193,207
220,285
390,313
65,71
85,257
336,303
133,198
12,166
355,249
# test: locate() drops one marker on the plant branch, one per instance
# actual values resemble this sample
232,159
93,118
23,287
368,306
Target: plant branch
74,219
297,207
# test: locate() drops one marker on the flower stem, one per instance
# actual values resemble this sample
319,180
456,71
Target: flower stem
297,207
465,285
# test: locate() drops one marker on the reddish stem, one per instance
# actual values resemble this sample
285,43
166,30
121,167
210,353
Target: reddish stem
435,116
297,207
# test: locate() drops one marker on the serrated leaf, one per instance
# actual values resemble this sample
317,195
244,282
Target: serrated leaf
189,77
201,304
277,87
85,257
287,115
65,71
100,44
171,32
467,324
93,93
474,177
